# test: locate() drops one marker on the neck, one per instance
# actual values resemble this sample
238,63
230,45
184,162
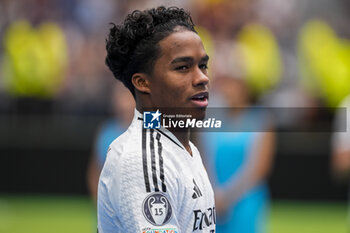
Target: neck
139,107
143,101
184,137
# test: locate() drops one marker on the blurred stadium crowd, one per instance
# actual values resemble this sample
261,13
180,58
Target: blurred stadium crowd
289,54
293,53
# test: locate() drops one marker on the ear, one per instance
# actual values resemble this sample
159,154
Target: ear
141,82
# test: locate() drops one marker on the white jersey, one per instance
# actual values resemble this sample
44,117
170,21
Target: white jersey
151,184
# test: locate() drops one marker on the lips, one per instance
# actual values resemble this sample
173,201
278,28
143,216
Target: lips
200,99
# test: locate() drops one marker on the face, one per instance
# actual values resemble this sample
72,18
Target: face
179,78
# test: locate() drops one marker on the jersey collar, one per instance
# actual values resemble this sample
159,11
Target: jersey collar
139,116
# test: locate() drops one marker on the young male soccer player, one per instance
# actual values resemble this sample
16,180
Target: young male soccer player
153,179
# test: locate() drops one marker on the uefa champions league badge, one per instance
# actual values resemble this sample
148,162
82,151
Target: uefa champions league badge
157,209
151,120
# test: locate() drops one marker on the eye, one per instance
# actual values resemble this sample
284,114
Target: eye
203,66
181,68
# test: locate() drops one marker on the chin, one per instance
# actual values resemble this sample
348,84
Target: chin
198,113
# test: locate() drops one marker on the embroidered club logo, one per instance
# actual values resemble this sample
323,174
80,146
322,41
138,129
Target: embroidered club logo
151,120
157,209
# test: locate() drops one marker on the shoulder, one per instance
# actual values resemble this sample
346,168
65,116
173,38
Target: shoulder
127,143
124,149
122,169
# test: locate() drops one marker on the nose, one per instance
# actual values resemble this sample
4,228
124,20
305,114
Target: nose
200,78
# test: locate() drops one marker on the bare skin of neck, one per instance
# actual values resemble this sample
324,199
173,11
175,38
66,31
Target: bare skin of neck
184,138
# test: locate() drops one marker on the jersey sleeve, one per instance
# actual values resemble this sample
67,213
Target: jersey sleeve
125,204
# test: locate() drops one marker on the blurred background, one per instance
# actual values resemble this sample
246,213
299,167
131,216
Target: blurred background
60,107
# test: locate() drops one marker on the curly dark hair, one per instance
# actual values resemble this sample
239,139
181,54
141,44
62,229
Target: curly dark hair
133,47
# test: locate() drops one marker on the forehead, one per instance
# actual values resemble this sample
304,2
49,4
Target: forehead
182,43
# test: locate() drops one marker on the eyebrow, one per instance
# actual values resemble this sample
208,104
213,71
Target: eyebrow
189,59
205,58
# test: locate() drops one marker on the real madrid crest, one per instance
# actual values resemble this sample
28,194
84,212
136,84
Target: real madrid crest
157,209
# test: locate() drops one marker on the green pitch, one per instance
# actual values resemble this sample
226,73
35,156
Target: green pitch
41,214
47,214
309,217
